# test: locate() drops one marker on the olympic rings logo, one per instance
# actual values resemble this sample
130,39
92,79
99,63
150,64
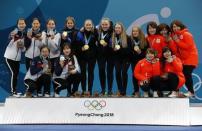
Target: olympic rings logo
95,104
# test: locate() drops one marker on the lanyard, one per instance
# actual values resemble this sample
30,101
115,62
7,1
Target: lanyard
87,40
103,36
136,43
117,41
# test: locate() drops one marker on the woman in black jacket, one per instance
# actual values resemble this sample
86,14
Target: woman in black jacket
139,46
86,39
69,34
121,47
103,52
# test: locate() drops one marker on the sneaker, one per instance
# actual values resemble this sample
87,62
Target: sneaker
145,94
39,94
119,94
77,94
17,95
136,94
57,95
82,94
155,94
173,94
189,94
87,94
150,94
46,95
96,94
35,96
110,93
28,95
160,94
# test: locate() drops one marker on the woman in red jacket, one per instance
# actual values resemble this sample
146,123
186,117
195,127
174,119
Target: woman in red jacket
165,31
147,72
187,52
157,42
171,73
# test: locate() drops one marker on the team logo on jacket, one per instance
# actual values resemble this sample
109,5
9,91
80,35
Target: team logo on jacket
158,40
181,37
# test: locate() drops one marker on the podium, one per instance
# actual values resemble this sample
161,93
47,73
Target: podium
146,111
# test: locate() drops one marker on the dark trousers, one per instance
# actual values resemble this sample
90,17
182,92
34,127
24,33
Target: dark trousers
158,83
72,80
52,61
152,85
14,70
73,83
43,81
30,85
110,73
135,81
169,84
102,64
27,62
87,66
121,68
187,71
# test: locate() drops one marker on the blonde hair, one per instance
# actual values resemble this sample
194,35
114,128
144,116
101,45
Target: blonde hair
123,36
141,37
103,19
92,30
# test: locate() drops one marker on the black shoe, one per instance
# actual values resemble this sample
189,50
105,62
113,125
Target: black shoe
110,93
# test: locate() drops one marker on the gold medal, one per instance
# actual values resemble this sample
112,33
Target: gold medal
102,42
86,47
117,47
136,48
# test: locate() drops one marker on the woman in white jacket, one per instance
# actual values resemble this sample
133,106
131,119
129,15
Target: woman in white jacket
17,39
35,42
67,72
52,39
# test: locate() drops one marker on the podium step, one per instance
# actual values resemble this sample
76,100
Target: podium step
149,111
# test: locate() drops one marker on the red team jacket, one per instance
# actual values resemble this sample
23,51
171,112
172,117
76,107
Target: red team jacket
145,70
157,42
187,50
175,67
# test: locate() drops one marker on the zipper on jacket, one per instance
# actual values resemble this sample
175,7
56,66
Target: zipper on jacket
33,49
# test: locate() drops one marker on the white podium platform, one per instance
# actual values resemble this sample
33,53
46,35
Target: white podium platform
151,111
196,115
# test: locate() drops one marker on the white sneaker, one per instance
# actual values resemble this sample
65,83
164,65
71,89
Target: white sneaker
145,94
57,95
39,94
17,95
173,94
46,95
35,96
155,94
189,94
